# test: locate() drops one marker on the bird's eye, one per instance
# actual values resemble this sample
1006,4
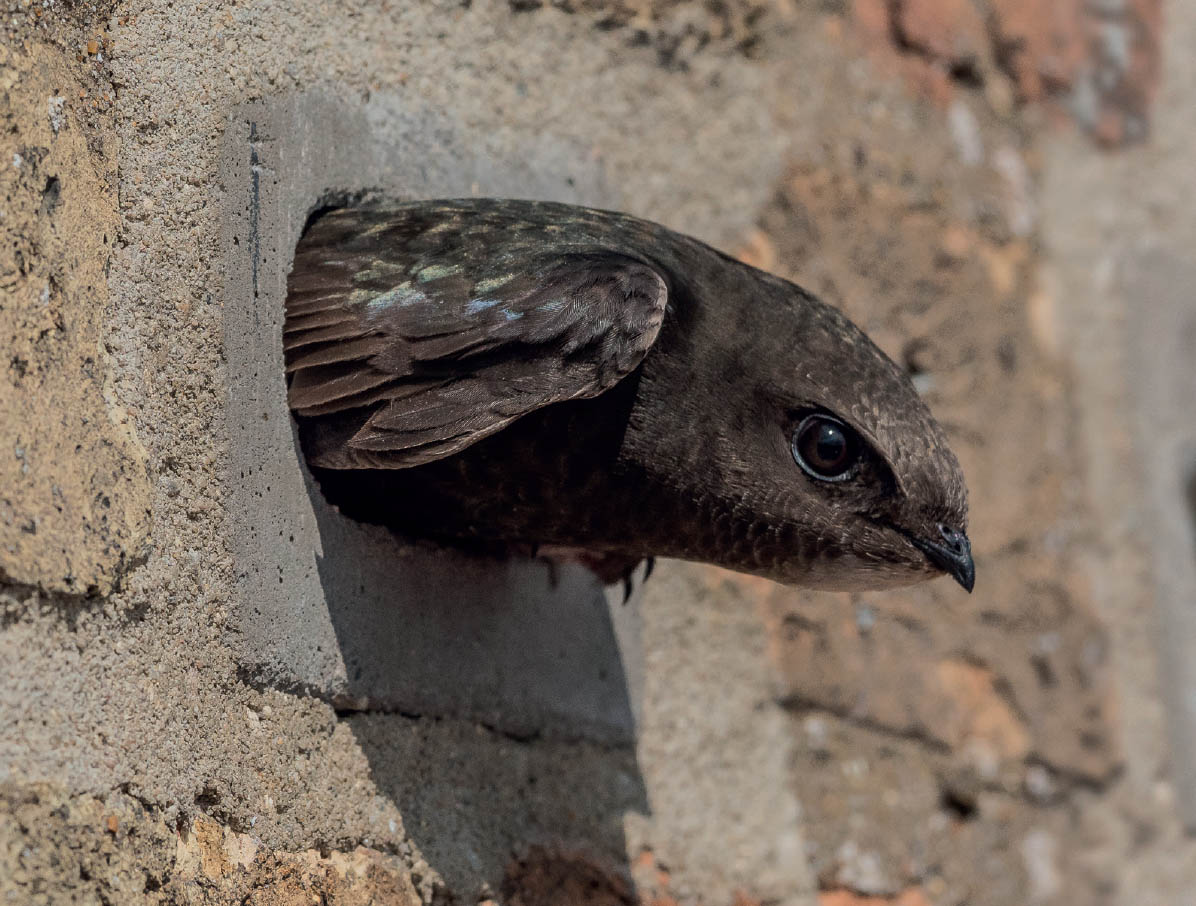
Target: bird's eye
826,448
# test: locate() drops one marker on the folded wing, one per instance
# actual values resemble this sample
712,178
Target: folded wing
420,329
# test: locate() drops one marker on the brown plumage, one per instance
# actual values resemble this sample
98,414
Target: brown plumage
529,372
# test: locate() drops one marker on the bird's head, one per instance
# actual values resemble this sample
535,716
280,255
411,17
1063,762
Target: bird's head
833,470
875,492
882,507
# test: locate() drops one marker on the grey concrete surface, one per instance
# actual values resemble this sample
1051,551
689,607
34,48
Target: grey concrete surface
1158,279
1120,232
347,611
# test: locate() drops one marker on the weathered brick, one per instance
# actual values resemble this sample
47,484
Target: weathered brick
1099,62
951,31
74,493
911,897
1042,45
80,848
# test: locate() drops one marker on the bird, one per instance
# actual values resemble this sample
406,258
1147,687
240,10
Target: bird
518,372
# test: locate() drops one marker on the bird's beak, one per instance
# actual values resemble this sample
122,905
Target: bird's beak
952,554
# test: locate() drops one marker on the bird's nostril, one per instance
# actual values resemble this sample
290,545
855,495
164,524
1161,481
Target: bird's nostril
953,538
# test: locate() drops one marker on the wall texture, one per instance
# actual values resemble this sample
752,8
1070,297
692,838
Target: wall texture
173,731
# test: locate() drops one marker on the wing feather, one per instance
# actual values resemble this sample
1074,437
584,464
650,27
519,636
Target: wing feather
421,329
334,353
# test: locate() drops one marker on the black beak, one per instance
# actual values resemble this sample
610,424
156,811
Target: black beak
953,555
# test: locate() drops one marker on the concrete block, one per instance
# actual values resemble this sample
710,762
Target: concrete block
346,611
1161,340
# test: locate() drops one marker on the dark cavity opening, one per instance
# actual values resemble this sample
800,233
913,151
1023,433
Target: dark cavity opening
50,195
959,805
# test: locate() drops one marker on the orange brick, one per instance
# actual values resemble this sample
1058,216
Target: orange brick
948,30
911,897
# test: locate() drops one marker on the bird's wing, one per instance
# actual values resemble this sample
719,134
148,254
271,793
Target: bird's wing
424,334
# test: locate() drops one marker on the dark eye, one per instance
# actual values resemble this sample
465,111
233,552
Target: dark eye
825,447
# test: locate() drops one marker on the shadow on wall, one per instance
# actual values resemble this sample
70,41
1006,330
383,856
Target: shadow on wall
480,806
507,722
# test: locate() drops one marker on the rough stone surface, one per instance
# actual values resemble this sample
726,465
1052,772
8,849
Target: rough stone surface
57,848
911,897
953,31
1097,61
1118,237
73,487
678,30
1024,745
